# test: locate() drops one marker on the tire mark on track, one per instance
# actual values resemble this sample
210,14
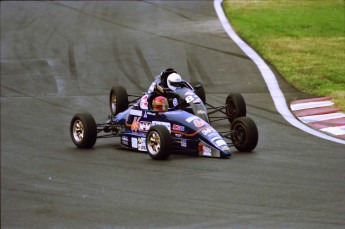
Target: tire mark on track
154,34
169,10
183,9
41,75
143,62
192,74
49,37
71,61
130,76
200,46
21,94
194,63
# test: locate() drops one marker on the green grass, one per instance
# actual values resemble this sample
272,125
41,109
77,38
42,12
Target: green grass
304,40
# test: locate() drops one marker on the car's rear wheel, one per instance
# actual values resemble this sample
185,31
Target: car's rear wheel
83,130
244,134
235,106
199,90
158,142
118,100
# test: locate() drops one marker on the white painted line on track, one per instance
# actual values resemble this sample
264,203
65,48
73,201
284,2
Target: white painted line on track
336,130
324,117
270,79
302,106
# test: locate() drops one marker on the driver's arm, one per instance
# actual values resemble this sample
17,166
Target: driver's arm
153,85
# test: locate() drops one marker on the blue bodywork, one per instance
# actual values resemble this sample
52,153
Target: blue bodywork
190,133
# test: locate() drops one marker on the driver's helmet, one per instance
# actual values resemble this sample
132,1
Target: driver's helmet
160,103
174,81
164,76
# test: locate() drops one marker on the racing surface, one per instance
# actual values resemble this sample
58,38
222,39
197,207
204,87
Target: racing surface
59,58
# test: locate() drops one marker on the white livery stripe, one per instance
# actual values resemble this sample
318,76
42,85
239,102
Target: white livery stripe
336,130
316,118
302,106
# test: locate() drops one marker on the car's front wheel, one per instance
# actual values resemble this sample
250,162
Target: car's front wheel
244,134
158,142
83,130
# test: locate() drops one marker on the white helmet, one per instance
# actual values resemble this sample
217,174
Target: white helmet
174,81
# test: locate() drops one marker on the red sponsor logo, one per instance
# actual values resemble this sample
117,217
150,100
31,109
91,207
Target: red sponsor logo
199,122
178,127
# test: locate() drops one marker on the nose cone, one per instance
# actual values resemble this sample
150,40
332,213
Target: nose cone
225,151
211,150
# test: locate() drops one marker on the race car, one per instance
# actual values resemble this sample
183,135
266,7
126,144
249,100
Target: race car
185,127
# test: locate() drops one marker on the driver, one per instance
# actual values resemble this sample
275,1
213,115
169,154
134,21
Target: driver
169,79
160,103
165,83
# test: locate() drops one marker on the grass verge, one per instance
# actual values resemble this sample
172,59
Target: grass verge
304,40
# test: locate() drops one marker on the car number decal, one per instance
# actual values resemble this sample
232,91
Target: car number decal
189,99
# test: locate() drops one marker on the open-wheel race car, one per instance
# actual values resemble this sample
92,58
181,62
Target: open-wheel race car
185,127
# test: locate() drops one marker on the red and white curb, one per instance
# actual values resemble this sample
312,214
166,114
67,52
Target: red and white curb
320,114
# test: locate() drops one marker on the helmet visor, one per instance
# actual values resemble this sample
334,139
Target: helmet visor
176,84
161,107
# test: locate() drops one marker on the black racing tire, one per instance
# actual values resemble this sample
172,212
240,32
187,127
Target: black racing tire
244,134
235,106
200,90
118,100
83,130
158,142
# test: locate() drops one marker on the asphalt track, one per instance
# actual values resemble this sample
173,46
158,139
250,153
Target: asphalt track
58,58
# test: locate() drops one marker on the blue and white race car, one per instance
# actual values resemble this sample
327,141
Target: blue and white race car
185,127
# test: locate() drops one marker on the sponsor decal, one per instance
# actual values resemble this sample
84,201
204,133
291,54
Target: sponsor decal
144,103
189,99
136,112
215,138
183,143
199,122
191,118
208,130
207,151
220,142
144,126
135,124
178,135
142,144
134,142
166,124
178,128
151,113
124,140
175,102
213,135
189,93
